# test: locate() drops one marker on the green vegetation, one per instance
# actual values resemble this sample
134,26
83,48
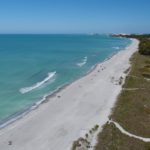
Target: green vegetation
132,110
144,47
84,143
80,143
112,139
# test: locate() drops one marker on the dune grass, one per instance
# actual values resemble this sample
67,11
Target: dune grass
132,110
112,139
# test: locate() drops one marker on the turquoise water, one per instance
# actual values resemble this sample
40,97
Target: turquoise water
34,65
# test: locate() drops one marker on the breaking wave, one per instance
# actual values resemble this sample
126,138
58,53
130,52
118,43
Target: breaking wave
38,84
83,62
116,47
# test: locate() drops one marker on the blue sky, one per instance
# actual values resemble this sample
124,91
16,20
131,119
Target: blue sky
74,16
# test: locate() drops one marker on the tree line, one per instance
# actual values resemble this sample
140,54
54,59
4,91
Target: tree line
144,46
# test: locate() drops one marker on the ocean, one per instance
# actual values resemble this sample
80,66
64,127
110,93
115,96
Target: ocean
33,66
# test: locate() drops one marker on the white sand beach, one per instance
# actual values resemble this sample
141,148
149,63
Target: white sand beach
73,111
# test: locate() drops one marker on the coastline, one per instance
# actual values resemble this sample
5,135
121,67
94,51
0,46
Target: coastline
128,127
19,115
72,118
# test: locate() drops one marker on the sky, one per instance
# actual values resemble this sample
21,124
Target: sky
74,16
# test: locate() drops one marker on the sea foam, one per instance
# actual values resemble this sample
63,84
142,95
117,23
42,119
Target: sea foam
38,84
116,47
83,62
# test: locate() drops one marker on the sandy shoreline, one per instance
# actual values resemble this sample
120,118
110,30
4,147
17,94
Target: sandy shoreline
73,111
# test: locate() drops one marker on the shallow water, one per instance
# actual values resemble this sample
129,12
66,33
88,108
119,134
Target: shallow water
34,65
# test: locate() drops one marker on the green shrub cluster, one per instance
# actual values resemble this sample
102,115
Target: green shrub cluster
144,46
